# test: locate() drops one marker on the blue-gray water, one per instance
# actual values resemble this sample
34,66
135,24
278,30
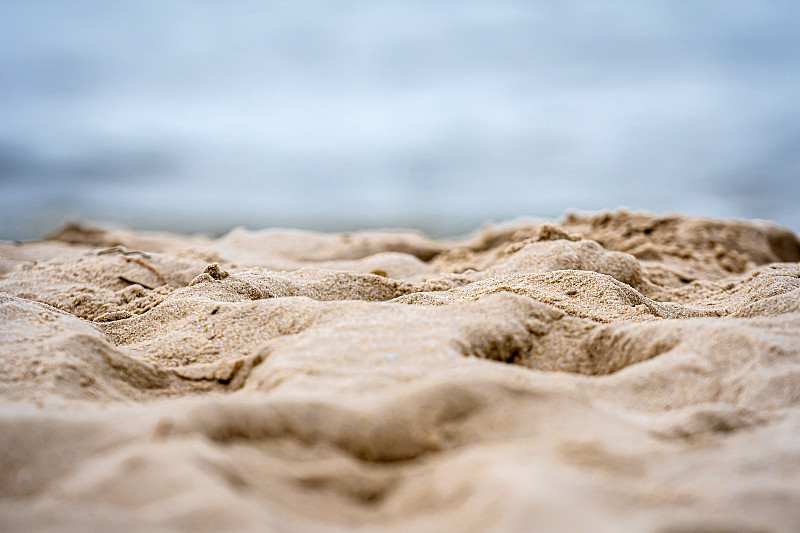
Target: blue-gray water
199,115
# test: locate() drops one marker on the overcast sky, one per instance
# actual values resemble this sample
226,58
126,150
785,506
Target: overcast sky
199,116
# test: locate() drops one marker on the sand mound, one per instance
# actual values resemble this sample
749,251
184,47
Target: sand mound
617,372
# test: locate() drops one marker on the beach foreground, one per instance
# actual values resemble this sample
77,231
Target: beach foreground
614,372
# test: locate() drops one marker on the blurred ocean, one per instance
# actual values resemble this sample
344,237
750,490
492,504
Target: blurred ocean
198,115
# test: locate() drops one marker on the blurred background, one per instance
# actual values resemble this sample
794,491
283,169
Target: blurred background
197,116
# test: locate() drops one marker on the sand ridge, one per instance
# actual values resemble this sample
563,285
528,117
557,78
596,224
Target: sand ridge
618,371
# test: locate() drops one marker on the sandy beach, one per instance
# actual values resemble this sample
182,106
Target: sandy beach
609,372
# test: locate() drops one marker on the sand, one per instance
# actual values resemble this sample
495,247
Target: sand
613,372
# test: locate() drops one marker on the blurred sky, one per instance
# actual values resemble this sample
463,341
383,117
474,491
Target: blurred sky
199,115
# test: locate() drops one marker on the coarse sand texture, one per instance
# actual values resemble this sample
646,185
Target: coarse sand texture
613,372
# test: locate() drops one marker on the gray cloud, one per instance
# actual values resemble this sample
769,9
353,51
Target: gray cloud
410,111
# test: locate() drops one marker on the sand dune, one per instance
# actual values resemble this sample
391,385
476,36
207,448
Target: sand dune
614,372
